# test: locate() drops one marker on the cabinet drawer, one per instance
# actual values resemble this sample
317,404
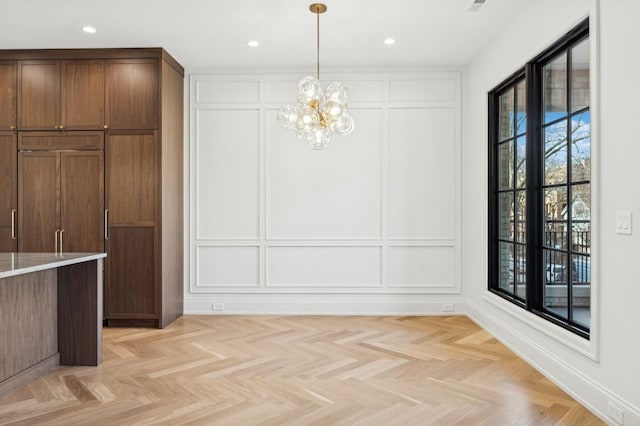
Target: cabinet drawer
49,141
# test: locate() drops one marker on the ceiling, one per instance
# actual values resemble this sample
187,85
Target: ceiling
213,34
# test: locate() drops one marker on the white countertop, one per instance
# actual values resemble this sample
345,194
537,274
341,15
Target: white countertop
12,264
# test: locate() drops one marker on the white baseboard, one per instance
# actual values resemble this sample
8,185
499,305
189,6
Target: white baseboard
308,306
583,389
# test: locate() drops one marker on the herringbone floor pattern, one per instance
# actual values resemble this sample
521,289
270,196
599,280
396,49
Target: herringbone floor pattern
298,370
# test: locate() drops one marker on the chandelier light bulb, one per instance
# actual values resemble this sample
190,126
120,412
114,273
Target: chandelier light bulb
319,138
344,125
319,113
308,119
332,110
309,90
288,117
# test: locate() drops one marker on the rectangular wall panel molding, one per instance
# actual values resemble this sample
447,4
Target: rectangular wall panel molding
422,173
425,90
230,266
333,194
376,214
227,173
421,266
321,267
360,91
226,92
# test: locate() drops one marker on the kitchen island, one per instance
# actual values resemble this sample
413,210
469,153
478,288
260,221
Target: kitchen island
50,314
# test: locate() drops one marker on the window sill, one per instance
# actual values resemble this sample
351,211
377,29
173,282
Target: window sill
585,347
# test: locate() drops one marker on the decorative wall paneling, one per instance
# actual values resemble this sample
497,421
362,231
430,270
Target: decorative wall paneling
376,215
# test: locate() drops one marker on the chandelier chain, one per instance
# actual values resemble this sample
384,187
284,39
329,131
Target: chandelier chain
318,45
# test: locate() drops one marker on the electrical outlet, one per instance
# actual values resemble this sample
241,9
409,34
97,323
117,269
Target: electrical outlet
217,307
616,413
447,307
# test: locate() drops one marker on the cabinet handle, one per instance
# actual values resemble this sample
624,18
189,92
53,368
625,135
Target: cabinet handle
106,224
61,127
55,247
56,127
12,127
61,232
13,224
106,127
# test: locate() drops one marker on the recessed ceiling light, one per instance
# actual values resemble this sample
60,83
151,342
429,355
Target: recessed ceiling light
253,43
89,29
389,41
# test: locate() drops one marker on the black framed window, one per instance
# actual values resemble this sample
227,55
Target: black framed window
540,184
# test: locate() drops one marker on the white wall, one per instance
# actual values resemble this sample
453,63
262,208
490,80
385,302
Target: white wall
607,369
369,225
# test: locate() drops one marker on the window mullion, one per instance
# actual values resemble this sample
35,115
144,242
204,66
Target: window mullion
493,197
569,273
514,183
534,154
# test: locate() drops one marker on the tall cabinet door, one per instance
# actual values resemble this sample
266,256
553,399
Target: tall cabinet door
82,201
8,94
131,160
8,191
38,206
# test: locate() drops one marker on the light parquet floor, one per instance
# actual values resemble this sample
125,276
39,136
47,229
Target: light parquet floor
298,370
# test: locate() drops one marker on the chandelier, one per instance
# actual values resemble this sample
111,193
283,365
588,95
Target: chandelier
319,113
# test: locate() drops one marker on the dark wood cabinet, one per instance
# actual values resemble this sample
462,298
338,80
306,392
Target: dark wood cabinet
132,94
144,181
38,206
119,189
61,95
60,197
82,88
39,95
8,94
82,201
8,191
132,200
